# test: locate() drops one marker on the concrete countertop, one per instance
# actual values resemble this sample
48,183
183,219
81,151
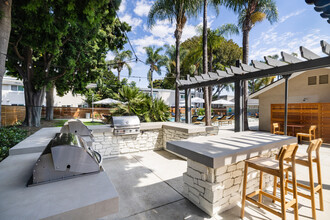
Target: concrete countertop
87,197
187,128
220,150
39,140
36,142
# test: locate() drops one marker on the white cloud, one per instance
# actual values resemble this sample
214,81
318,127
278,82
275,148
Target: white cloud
271,43
110,56
210,20
122,6
162,33
132,21
188,32
142,8
286,17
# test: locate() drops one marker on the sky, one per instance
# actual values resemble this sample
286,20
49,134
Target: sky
298,25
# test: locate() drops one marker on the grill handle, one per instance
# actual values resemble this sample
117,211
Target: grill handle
98,157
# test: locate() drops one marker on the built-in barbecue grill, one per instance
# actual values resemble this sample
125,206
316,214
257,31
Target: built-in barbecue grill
125,125
67,155
78,128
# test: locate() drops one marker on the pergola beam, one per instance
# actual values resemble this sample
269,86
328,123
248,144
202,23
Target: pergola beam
275,71
289,58
307,54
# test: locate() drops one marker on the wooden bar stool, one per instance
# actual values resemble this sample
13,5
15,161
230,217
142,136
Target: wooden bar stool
277,169
308,160
276,129
310,135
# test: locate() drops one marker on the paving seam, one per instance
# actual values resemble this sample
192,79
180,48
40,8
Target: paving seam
159,177
153,208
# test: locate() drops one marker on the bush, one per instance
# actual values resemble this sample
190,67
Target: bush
9,137
134,102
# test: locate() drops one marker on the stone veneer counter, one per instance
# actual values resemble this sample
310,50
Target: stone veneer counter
214,176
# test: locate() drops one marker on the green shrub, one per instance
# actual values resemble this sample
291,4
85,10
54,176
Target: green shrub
9,137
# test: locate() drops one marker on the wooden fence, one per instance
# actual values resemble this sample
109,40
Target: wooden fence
12,114
306,114
75,112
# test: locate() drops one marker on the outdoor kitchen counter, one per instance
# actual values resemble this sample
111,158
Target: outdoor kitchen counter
213,180
187,128
87,197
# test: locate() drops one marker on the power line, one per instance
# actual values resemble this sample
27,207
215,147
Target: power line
136,57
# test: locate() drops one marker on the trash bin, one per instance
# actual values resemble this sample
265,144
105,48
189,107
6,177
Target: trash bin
88,115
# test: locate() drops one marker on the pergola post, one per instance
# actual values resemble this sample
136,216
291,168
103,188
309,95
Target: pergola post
286,77
239,122
188,105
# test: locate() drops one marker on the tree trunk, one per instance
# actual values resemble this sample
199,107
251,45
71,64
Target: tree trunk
178,34
118,75
205,67
210,87
50,103
33,105
246,87
151,85
5,27
33,97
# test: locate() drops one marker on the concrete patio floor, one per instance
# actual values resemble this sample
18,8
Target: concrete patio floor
150,186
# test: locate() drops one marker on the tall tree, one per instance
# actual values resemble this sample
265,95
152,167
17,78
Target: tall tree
251,12
5,27
178,11
156,61
207,101
72,36
170,52
121,60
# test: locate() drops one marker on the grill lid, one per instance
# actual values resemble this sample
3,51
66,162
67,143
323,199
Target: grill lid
125,121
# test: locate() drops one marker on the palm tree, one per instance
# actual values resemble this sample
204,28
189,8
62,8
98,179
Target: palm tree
121,60
156,61
178,11
131,98
170,53
251,12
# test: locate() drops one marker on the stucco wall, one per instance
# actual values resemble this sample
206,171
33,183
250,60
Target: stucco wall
299,92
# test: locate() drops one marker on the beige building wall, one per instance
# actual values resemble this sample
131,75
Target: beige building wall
299,92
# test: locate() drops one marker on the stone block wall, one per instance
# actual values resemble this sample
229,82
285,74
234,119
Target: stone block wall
217,190
109,145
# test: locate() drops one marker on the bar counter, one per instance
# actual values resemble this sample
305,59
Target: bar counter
214,176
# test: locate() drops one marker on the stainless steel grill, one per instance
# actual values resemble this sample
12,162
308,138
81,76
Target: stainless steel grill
78,128
67,155
125,125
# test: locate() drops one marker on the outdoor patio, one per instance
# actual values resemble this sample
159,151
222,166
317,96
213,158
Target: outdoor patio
150,186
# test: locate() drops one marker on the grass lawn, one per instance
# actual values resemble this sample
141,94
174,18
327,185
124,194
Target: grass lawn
60,123
88,123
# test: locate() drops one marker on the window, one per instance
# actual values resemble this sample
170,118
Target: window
14,88
182,96
20,88
312,80
323,79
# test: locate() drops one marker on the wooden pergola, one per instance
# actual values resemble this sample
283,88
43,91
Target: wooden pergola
237,74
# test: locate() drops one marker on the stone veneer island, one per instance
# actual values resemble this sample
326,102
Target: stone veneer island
214,176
